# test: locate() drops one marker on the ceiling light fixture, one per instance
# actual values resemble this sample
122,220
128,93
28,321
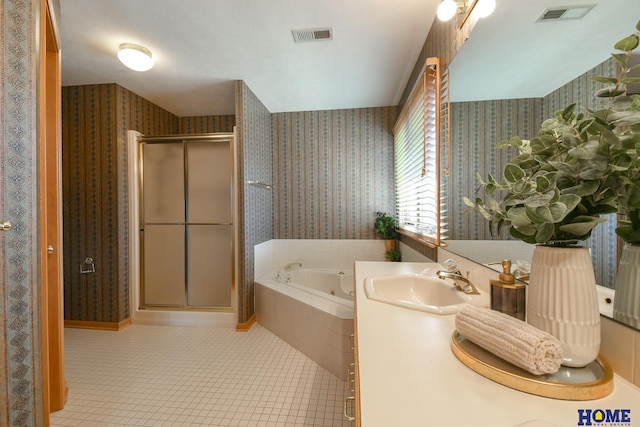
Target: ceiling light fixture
136,57
449,8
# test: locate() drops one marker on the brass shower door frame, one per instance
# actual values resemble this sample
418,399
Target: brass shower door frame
184,139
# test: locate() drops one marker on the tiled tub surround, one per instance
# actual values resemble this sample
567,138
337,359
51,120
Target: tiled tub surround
315,253
317,325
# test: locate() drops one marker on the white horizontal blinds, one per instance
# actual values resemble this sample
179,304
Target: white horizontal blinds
445,153
416,139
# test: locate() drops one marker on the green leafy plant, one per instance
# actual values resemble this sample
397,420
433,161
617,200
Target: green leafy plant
393,255
579,166
385,226
623,118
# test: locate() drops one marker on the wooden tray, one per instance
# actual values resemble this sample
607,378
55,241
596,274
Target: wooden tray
591,382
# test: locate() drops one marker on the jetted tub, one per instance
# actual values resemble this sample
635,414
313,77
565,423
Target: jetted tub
312,310
319,281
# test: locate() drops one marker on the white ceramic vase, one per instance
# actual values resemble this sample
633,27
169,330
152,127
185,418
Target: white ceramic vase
562,300
626,304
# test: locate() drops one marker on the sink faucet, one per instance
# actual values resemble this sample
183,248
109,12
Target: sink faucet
462,283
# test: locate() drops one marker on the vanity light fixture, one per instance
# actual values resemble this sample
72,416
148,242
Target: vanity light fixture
136,57
449,8
485,8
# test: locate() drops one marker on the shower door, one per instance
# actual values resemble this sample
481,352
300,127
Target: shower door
187,226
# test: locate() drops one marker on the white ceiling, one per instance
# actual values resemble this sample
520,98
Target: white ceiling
510,55
202,46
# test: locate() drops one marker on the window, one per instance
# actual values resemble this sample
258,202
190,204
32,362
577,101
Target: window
420,132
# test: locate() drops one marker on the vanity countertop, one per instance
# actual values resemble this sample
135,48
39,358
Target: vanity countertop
409,376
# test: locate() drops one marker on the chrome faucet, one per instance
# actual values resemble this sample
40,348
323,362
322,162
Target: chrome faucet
462,283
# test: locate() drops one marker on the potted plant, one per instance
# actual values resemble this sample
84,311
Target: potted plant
553,192
385,227
393,255
623,119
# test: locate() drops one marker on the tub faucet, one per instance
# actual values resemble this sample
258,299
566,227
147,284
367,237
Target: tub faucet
462,283
293,266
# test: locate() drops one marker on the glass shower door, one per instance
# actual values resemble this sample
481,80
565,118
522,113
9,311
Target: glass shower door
187,223
210,225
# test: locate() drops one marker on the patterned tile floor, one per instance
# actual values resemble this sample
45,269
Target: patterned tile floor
181,376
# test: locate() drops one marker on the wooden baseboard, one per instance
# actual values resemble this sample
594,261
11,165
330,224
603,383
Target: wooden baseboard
244,327
88,324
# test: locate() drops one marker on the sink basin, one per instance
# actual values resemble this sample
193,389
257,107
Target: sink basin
416,292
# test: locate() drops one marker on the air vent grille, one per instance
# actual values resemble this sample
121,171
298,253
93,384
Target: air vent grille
312,34
561,13
553,14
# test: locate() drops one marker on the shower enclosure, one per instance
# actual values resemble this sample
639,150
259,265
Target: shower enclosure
187,225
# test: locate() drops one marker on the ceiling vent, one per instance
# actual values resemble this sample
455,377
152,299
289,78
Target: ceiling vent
312,34
562,13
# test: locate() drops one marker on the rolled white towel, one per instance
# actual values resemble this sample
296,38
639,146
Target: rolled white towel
511,339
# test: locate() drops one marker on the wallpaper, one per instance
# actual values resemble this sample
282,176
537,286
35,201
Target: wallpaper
206,124
95,121
333,172
603,241
476,127
255,210
20,349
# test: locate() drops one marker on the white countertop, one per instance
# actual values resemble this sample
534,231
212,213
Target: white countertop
409,376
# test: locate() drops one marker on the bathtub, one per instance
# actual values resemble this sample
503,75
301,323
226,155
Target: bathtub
321,281
312,310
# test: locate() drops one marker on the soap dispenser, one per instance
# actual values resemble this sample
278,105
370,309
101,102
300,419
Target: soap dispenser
507,296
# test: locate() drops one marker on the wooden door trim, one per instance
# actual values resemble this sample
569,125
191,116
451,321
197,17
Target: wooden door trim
50,201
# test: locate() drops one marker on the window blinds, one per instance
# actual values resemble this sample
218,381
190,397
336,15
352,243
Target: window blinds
417,139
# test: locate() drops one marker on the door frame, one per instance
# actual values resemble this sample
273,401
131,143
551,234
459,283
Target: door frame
171,317
50,207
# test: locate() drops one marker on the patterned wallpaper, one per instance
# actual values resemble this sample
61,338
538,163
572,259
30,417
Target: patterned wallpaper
333,172
478,126
475,129
95,121
206,124
20,349
603,241
255,207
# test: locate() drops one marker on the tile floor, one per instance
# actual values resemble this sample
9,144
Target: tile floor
181,376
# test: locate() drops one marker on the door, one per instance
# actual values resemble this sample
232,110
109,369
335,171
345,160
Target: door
50,205
187,222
